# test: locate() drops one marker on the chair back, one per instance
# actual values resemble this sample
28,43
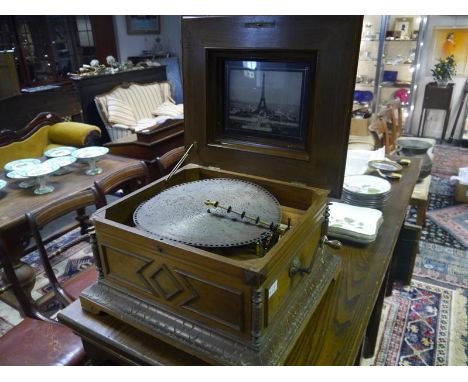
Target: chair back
378,129
38,219
167,161
132,178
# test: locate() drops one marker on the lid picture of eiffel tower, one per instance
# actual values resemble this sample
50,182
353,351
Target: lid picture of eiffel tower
265,102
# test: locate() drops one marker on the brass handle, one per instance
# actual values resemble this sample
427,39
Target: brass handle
296,265
335,244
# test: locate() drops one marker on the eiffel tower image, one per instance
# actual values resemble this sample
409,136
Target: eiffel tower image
262,108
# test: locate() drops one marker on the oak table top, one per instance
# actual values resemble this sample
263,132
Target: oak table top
334,333
16,202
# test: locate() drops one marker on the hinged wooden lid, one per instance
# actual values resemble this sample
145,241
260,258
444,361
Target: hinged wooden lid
294,124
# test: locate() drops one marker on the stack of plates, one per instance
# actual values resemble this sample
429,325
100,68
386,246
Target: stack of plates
366,191
357,224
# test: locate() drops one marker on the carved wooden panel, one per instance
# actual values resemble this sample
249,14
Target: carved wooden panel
181,289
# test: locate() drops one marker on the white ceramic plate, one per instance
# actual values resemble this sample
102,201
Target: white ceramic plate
366,184
21,164
39,170
2,183
62,151
62,161
360,223
90,152
14,175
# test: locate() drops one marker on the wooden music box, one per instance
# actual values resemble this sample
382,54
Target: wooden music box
228,258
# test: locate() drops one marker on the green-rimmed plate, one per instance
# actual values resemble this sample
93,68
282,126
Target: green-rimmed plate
62,151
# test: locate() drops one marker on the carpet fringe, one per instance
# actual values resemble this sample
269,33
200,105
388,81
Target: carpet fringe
458,330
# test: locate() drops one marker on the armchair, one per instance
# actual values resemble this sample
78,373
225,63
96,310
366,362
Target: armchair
44,132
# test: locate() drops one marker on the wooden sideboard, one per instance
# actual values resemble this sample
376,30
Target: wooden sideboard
89,87
345,320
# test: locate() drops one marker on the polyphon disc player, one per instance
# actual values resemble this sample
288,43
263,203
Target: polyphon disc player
227,258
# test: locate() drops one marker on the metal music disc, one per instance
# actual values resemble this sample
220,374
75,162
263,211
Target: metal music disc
180,214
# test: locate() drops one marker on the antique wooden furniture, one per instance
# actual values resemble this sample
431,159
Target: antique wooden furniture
167,162
378,136
393,114
439,98
419,199
62,100
44,132
16,202
9,83
133,176
37,340
334,334
141,99
90,87
240,302
69,291
150,144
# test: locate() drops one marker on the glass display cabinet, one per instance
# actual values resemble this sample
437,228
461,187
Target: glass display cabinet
388,62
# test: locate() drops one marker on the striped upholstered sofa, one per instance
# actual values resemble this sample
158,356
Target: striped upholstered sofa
131,107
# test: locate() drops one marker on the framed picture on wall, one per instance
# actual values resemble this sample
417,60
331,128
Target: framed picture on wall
403,25
452,40
143,25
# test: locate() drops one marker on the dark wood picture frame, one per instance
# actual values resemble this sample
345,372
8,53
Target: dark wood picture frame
142,24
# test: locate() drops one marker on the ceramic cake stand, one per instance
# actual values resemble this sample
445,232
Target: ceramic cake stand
63,162
91,154
12,168
39,173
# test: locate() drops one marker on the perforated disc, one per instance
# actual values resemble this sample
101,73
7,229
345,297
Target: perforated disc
180,214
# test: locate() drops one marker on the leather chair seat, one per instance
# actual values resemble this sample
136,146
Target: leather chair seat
82,280
40,343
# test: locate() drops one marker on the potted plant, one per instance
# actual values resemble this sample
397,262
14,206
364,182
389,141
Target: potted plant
444,70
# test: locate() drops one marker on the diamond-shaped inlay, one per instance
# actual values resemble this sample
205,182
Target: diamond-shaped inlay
165,283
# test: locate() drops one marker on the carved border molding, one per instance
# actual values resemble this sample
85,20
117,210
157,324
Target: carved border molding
210,344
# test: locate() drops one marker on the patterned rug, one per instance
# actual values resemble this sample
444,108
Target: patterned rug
453,220
440,196
424,324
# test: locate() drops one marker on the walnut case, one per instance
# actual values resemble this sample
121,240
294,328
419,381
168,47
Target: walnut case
236,308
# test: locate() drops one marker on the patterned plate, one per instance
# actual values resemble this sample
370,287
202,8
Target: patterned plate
90,152
60,152
62,161
21,164
39,170
14,175
366,184
2,183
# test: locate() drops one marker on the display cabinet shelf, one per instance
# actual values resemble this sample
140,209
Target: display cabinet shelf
405,50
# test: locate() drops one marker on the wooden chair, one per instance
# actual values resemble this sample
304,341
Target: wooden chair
167,161
132,178
379,131
394,118
71,289
37,340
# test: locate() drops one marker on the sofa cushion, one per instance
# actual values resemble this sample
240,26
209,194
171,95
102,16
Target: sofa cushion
70,133
144,98
170,109
120,112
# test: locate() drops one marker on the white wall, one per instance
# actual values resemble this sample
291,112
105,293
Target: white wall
435,118
133,45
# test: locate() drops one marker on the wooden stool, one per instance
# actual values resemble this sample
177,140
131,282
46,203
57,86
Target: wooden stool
419,199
